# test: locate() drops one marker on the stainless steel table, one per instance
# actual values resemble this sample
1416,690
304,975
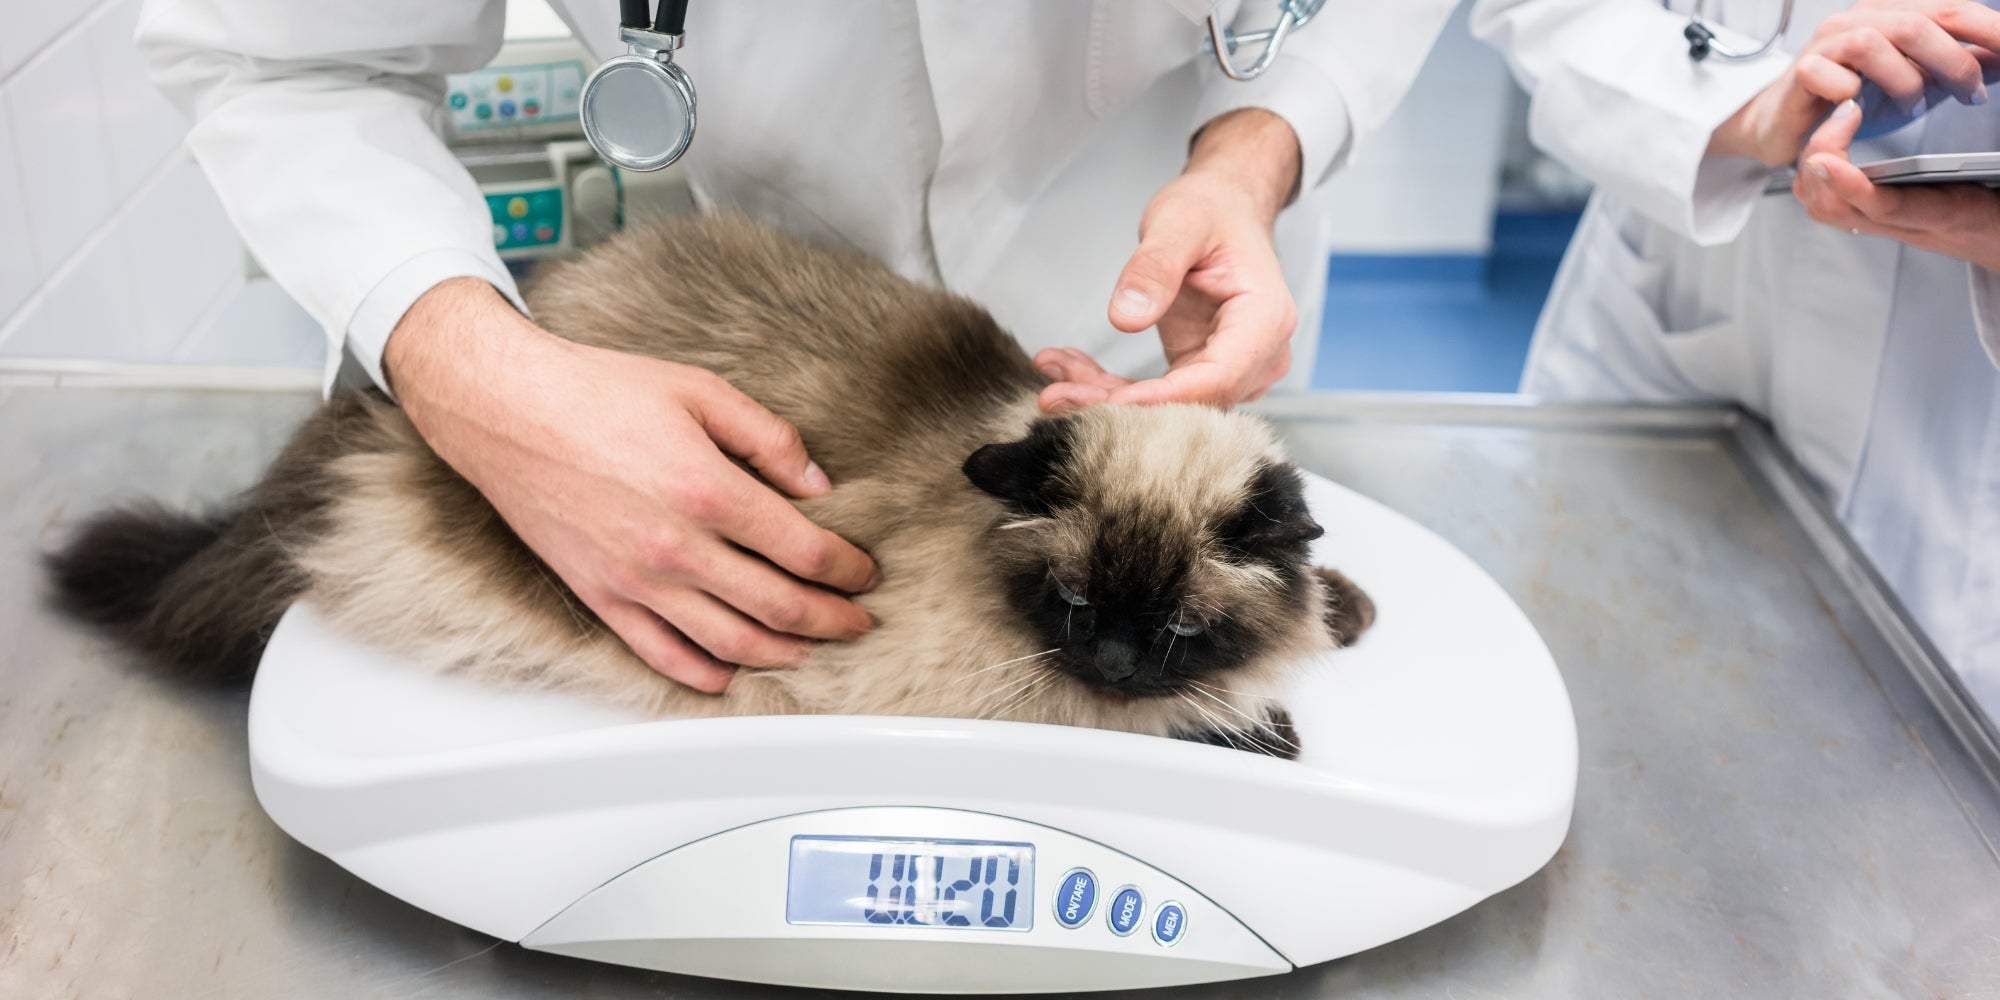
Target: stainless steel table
1782,792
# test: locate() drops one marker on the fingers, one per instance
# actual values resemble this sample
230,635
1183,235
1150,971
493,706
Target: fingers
780,603
1066,397
1939,55
725,634
1869,52
759,520
1834,136
1972,23
741,427
1169,246
1067,364
1821,79
662,648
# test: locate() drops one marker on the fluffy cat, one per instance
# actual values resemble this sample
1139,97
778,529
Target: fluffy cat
1138,569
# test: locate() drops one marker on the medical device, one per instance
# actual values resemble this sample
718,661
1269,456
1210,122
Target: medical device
1222,43
1702,42
516,125
1439,766
1937,168
638,109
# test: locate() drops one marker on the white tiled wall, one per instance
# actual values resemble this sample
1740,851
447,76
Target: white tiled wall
112,246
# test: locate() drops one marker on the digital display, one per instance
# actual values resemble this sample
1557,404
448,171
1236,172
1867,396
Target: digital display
911,883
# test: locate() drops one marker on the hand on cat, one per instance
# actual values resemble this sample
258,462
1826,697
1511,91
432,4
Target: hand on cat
615,470
1206,274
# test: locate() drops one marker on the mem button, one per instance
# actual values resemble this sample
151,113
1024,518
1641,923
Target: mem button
1076,898
1169,924
1127,908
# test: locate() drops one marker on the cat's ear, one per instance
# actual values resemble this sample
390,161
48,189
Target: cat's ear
1025,474
1274,516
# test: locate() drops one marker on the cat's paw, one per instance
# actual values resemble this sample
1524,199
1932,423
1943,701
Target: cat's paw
1349,612
1275,736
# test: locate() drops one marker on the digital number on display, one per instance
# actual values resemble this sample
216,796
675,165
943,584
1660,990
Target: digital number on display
921,883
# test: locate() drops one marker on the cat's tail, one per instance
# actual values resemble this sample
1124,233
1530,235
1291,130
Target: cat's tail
196,596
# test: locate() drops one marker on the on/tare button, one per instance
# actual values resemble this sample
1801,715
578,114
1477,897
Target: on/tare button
1169,924
1076,898
1127,907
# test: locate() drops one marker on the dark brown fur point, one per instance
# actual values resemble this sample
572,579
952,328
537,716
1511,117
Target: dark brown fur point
1183,527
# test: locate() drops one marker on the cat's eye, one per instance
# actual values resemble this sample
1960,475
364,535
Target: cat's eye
1069,595
1184,629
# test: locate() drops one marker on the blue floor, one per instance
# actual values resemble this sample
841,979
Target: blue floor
1440,323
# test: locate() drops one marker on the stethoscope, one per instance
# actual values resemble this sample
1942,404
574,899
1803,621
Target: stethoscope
638,108
1701,39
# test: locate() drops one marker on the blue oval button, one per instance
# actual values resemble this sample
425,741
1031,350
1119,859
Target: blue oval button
1169,924
1127,908
1076,898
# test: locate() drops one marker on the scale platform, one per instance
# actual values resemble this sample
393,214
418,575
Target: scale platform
948,855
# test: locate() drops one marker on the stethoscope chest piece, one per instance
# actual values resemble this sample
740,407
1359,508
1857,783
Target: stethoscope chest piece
638,109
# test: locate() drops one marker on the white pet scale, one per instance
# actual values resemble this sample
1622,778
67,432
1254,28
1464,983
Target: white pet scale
946,855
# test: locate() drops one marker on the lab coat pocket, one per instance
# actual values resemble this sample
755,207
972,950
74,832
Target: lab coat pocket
1610,335
1697,341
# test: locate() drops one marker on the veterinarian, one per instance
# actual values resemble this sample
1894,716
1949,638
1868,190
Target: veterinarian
1005,150
1862,321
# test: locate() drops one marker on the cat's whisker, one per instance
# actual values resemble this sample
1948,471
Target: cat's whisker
1021,696
1261,725
1223,725
963,679
975,709
1002,663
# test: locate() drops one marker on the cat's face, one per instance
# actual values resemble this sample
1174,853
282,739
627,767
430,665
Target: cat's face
1154,549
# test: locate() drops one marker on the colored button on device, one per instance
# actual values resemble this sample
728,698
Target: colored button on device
483,110
1169,924
457,99
1126,909
520,232
506,109
531,107
545,233
505,84
517,207
1076,897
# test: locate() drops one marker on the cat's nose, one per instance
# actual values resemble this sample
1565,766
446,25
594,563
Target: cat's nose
1115,659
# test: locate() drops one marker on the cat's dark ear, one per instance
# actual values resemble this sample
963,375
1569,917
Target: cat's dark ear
1274,517
1025,474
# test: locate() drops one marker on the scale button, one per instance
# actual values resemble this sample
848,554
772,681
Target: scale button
1169,924
1076,898
1127,908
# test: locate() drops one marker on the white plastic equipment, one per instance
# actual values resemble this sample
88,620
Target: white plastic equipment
1439,768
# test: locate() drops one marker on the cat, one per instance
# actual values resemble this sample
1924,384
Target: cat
1130,568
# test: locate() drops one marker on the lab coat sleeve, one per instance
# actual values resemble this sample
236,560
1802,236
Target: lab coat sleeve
1614,96
1986,310
1335,80
320,127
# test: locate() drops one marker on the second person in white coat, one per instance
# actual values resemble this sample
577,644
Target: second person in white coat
1863,322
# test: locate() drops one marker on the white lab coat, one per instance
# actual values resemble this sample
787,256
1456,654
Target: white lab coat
1874,361
1004,150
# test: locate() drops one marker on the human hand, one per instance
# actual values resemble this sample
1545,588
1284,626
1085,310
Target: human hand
1206,274
614,469
1899,45
1957,220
